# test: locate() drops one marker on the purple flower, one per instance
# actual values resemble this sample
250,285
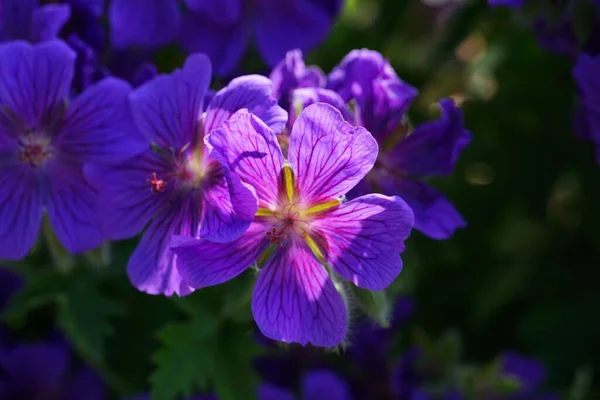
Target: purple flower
302,227
380,101
174,186
291,73
529,372
315,385
27,20
506,3
44,140
41,371
586,77
222,29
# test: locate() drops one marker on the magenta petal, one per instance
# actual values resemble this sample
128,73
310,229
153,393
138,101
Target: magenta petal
202,263
295,300
152,267
167,108
365,237
72,207
48,20
98,126
20,210
223,43
280,26
147,23
125,202
252,92
249,149
328,155
228,208
324,385
44,72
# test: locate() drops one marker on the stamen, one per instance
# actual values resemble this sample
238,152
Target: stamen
275,237
156,185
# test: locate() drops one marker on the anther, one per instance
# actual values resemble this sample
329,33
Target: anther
156,185
275,237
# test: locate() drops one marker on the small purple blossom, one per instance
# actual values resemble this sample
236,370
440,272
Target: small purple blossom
45,138
302,225
223,29
315,385
28,20
174,186
41,371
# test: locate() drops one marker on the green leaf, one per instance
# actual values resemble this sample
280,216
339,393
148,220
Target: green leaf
185,361
84,313
581,384
375,305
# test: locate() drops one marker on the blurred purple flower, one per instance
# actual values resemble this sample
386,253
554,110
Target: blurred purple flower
174,186
196,397
529,372
45,138
28,20
302,224
42,371
506,3
9,284
223,29
587,79
315,385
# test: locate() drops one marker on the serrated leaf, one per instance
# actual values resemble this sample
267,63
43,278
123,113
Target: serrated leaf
185,361
84,313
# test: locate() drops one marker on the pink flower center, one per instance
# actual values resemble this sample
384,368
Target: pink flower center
34,148
289,221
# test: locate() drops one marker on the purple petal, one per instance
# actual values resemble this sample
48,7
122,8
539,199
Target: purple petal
381,97
291,73
302,98
95,7
86,384
125,202
249,149
324,385
202,263
167,109
17,17
145,23
365,237
71,206
531,373
266,391
48,20
223,43
435,216
506,3
152,267
88,68
228,208
98,126
35,80
280,26
295,300
20,210
224,11
433,147
32,370
144,73
328,155
252,92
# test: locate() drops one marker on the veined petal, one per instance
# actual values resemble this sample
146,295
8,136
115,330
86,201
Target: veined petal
125,202
291,73
48,20
21,202
168,108
249,149
35,80
328,155
433,147
279,26
295,300
252,92
324,385
202,263
99,127
147,23
435,216
71,206
266,391
364,238
223,43
228,208
152,267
